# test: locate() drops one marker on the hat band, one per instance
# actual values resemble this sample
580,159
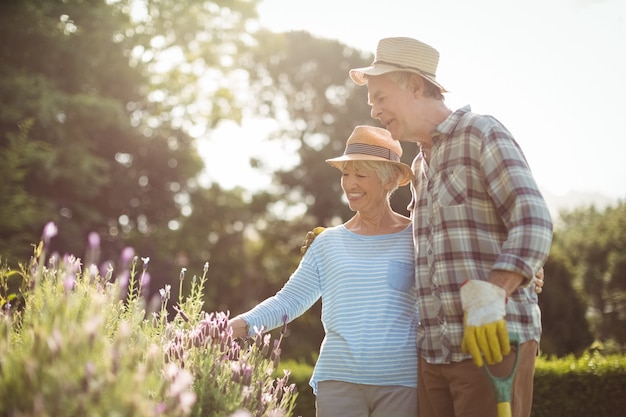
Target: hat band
372,150
404,67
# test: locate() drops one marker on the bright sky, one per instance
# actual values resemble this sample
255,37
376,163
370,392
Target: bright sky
553,71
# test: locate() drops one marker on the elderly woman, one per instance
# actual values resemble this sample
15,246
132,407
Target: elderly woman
363,270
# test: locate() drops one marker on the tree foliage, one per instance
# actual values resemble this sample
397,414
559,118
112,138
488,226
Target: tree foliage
64,68
109,111
565,328
594,242
302,81
18,208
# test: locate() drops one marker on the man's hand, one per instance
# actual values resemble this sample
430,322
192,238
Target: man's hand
310,237
485,332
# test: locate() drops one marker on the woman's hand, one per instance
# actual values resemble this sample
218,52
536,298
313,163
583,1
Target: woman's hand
539,281
239,326
310,237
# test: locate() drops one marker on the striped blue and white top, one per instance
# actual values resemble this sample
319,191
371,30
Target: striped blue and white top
367,286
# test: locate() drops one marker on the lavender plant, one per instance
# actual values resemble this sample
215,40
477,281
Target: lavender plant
70,346
229,375
72,352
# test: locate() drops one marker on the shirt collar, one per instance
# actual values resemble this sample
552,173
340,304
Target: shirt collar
446,127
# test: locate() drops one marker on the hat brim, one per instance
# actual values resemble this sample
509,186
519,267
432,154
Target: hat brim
358,74
407,174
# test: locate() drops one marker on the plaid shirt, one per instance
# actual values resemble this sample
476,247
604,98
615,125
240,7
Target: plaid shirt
476,207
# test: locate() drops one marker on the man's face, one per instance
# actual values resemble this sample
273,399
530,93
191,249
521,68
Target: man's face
391,106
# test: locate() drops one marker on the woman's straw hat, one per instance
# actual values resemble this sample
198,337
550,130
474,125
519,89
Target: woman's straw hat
368,143
401,54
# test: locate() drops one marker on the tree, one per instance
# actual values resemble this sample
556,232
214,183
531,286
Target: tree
17,207
89,76
302,82
594,242
565,328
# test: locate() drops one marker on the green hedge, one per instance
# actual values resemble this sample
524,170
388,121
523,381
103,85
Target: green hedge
300,374
591,385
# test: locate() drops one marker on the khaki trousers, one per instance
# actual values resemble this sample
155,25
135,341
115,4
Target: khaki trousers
345,399
461,389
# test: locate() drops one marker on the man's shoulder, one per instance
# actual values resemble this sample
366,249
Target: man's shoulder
464,118
480,125
469,117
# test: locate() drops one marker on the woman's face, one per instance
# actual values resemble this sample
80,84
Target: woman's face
363,189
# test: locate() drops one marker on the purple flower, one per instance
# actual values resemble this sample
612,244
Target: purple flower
72,264
247,375
49,231
165,292
106,269
123,280
127,255
266,345
94,240
69,282
93,271
160,408
145,260
283,329
92,255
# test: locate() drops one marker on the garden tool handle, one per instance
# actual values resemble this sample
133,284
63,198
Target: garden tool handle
502,386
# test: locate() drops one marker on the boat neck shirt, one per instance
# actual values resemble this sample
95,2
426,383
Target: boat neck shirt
367,287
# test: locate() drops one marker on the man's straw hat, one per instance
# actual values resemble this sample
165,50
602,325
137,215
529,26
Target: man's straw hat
401,54
368,143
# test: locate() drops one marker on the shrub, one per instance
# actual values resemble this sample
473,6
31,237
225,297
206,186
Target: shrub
76,350
589,385
70,345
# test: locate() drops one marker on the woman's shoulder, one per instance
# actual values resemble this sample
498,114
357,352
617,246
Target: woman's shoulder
333,231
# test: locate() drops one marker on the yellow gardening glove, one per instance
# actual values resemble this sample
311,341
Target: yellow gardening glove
485,332
310,237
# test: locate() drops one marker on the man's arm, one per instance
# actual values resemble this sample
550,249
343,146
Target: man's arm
521,207
508,280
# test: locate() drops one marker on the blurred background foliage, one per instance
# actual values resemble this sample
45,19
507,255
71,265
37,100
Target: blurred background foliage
101,106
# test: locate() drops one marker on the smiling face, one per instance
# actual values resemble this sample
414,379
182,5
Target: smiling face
363,188
398,108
